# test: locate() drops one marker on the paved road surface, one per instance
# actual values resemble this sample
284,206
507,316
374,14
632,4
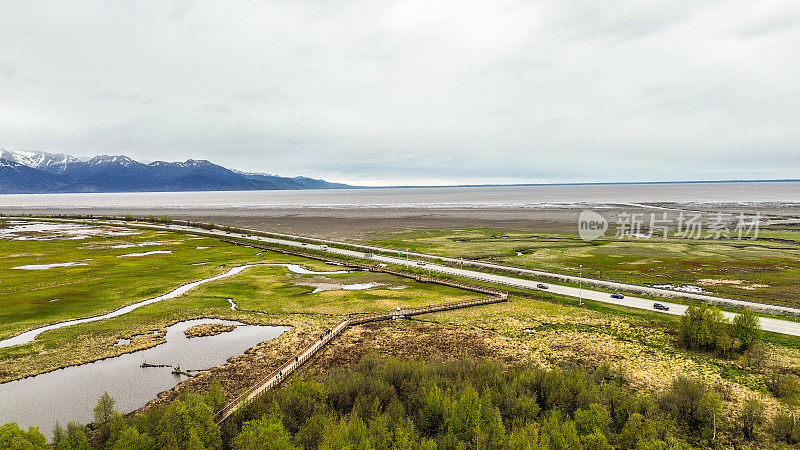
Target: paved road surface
768,324
650,291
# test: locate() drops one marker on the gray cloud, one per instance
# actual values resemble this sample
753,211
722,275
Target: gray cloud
413,91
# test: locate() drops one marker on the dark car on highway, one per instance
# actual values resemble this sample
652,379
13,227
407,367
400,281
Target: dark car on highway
541,286
661,307
617,296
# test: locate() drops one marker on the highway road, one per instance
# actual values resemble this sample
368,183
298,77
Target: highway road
767,323
482,266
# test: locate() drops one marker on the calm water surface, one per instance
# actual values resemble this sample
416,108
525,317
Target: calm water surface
458,197
71,393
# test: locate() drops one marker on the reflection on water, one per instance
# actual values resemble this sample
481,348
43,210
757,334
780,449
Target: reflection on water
71,393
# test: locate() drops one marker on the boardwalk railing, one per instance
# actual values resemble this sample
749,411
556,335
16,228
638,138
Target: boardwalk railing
279,374
297,360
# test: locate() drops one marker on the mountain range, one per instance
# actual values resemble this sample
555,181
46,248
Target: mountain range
27,172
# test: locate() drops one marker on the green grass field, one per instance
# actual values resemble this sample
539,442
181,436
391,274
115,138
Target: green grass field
546,330
765,270
32,298
264,294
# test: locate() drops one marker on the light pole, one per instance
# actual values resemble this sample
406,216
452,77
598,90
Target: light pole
580,286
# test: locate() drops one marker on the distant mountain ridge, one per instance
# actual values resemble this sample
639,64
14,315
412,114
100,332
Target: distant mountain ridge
26,172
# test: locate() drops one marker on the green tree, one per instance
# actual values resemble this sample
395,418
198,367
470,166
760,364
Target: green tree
58,434
708,412
558,434
464,415
786,387
297,402
75,438
266,433
701,327
131,439
310,434
524,437
592,420
214,396
492,432
104,409
475,421
636,432
752,416
405,436
595,441
348,432
747,328
693,403
432,412
726,345
188,423
14,438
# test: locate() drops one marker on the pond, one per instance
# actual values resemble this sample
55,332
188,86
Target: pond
72,392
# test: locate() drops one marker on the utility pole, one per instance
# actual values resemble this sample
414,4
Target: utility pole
406,257
580,286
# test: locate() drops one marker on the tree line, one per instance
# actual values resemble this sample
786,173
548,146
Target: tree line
410,404
404,404
407,403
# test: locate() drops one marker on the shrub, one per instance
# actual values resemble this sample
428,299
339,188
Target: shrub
704,327
756,356
746,328
751,417
694,403
785,428
785,387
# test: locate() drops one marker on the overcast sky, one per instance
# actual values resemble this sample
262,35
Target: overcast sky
412,92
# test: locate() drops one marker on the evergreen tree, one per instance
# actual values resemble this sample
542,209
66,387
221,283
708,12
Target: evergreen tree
104,409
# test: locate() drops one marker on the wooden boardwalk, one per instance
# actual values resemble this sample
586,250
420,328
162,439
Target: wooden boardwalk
299,358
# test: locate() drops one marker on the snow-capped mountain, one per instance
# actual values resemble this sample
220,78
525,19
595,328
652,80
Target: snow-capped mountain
38,160
115,159
16,178
41,172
